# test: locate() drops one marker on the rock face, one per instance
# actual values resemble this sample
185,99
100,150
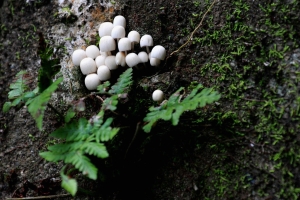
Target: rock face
244,147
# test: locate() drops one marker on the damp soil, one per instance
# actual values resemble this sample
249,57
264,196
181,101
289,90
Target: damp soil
171,162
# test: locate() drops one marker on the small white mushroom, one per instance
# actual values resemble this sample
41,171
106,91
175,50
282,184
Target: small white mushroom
124,44
154,62
120,59
92,81
100,60
143,56
105,29
119,21
92,51
158,52
146,41
132,60
118,32
77,56
107,44
88,66
103,73
134,38
110,62
157,95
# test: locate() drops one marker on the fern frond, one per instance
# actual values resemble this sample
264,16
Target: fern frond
173,108
37,106
96,149
123,83
75,131
83,164
19,93
105,132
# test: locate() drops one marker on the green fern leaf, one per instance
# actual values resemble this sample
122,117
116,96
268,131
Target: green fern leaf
38,105
83,164
96,149
76,131
19,86
110,103
105,132
65,147
173,108
102,87
54,156
123,83
68,184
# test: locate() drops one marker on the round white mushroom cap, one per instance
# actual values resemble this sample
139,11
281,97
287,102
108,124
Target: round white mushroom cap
105,29
132,59
107,44
158,52
124,44
92,81
110,62
118,32
120,59
157,95
77,56
143,56
88,66
134,36
100,60
92,51
119,21
103,73
146,41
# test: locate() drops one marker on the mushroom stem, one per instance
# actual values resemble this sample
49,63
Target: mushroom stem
147,48
132,46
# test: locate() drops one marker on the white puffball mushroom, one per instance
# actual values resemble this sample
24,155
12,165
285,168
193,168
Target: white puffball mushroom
110,62
132,60
100,60
118,32
77,56
146,41
107,44
157,95
88,66
92,51
92,81
103,73
134,38
143,56
158,52
124,44
119,20
120,59
105,29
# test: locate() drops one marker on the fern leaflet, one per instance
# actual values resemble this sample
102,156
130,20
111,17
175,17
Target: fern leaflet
19,93
173,108
123,83
37,105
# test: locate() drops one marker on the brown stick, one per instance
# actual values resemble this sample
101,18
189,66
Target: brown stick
195,29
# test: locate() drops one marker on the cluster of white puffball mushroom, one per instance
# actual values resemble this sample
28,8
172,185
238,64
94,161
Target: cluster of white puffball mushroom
97,63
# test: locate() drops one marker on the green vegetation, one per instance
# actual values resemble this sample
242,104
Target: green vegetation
251,70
